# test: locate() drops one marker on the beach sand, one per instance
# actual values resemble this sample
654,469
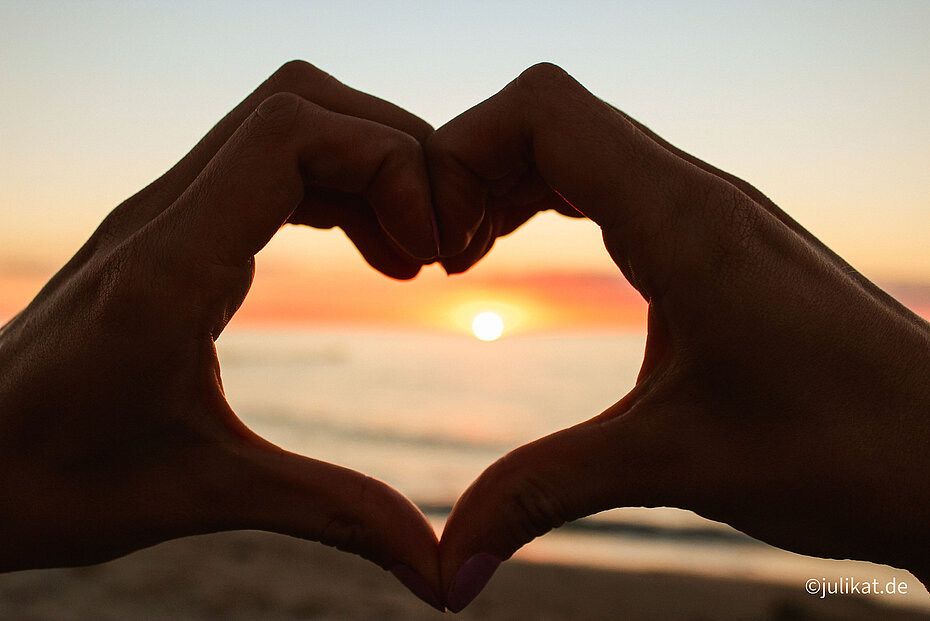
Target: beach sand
251,575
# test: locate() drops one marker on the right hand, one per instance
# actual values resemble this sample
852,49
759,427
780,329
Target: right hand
781,392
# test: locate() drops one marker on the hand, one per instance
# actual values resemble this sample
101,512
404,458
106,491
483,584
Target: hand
114,430
781,392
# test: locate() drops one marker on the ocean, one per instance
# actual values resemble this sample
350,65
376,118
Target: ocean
427,412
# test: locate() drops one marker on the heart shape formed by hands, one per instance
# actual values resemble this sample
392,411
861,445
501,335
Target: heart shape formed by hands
143,447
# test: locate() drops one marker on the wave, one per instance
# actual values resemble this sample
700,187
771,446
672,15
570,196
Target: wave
381,436
604,527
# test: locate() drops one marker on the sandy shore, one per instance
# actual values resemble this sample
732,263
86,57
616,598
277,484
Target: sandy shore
249,575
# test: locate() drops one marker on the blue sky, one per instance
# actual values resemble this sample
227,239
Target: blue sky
821,105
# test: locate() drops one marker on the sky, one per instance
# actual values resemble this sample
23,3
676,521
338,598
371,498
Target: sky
820,105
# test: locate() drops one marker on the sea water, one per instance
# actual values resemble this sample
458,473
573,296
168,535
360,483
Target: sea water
426,413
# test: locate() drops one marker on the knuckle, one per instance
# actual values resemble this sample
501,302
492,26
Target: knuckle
110,272
533,511
405,151
108,232
346,534
349,529
544,73
277,114
530,505
549,88
402,146
543,78
403,155
737,218
115,287
705,229
298,73
127,217
139,283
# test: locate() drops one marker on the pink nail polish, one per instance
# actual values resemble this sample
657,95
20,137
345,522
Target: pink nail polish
470,579
417,585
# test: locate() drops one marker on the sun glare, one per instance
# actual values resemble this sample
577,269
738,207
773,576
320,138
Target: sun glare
487,326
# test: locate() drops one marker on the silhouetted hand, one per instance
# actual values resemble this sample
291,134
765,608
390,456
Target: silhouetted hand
114,430
781,392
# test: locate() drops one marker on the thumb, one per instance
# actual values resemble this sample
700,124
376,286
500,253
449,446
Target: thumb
606,462
273,490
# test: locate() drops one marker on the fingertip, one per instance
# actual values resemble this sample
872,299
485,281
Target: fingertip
390,262
286,493
401,201
458,201
480,245
458,231
474,542
378,249
400,271
413,234
470,580
452,266
418,585
522,496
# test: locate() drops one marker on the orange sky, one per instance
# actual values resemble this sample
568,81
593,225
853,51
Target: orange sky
292,295
528,301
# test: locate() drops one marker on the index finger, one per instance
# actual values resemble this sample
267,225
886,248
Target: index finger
588,153
307,82
258,178
263,487
297,77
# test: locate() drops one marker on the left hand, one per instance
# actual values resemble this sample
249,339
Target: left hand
114,430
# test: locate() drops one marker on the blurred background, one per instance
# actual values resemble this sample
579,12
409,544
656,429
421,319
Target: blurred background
822,106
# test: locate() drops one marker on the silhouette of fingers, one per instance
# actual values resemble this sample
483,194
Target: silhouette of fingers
297,77
325,209
502,217
572,152
265,488
620,458
261,175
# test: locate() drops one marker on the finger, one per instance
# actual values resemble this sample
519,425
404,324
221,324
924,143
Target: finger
259,176
309,83
607,462
329,208
509,134
297,77
587,153
502,217
478,246
266,488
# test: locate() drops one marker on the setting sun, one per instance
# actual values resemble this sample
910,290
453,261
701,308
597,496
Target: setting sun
487,326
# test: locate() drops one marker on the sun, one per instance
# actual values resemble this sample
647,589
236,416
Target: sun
487,326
